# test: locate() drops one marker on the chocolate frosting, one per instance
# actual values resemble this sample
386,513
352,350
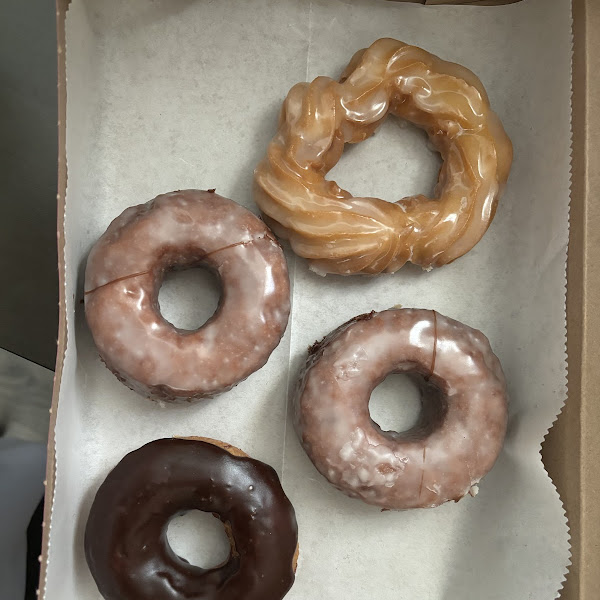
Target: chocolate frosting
126,543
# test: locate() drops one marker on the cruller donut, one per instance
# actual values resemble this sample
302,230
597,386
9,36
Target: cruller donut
463,418
342,234
125,539
178,230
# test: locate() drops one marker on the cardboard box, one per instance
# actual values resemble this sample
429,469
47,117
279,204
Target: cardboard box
571,451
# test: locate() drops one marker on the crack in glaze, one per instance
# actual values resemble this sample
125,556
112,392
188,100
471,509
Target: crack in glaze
204,257
434,352
423,472
116,281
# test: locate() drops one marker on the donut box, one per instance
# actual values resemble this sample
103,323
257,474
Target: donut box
161,96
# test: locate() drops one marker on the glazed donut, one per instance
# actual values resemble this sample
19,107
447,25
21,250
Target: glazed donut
462,423
124,273
125,540
342,234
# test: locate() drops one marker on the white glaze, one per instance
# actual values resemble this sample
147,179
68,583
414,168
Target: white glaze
393,470
124,273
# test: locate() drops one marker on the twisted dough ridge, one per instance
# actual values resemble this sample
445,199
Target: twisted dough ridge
339,233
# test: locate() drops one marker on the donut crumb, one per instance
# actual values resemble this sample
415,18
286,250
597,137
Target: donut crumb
385,469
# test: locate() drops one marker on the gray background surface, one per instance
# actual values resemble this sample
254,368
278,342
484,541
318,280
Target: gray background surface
28,158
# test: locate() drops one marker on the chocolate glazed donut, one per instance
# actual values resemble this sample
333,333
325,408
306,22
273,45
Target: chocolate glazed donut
124,273
126,543
463,419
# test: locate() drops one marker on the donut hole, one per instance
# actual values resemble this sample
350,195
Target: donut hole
188,298
396,162
199,538
420,411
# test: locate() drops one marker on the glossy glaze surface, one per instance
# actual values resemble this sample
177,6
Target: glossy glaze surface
342,234
124,273
126,534
462,424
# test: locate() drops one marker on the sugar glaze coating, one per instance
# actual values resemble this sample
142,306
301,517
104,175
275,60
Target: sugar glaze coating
339,233
463,419
125,539
123,276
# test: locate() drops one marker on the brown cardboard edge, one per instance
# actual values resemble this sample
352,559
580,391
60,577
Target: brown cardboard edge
589,526
61,11
563,444
573,440
461,2
579,488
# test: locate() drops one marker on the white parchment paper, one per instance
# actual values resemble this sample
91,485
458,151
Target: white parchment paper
174,94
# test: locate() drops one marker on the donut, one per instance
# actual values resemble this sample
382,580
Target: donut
125,539
463,418
339,233
179,230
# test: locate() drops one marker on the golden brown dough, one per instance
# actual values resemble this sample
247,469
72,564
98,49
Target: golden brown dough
339,233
